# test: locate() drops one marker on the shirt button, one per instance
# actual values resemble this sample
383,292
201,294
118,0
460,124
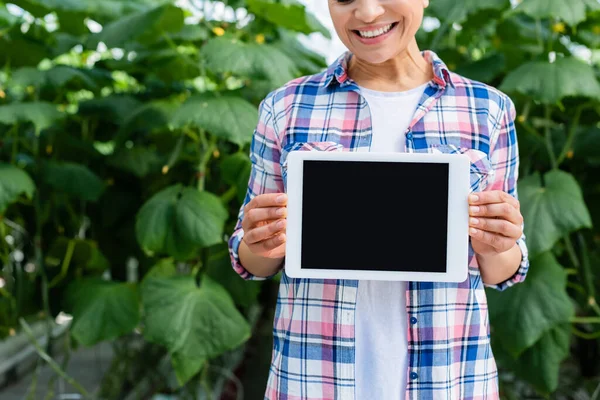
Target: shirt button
413,320
413,375
409,135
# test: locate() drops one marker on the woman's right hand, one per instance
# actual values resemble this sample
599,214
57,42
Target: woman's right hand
264,225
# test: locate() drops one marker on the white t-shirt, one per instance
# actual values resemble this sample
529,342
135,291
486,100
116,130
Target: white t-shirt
381,319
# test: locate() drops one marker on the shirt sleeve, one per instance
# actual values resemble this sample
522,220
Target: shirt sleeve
505,162
265,176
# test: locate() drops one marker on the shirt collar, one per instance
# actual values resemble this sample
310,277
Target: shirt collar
338,70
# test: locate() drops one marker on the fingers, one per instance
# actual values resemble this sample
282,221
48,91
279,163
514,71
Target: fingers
256,215
266,246
266,200
493,196
502,210
498,226
499,242
261,233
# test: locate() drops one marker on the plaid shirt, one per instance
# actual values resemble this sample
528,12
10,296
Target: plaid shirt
449,353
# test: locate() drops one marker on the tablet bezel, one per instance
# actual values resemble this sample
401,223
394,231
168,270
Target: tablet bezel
458,219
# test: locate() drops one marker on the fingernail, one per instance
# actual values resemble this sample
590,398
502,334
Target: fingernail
474,197
473,231
281,199
281,224
280,211
474,209
474,221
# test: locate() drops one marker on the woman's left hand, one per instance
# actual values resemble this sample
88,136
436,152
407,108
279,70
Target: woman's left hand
495,222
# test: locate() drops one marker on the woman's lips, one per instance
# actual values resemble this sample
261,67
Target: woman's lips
378,39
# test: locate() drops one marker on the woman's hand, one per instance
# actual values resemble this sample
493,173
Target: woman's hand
264,225
494,223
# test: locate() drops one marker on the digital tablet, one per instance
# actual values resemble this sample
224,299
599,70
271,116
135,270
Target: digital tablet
377,216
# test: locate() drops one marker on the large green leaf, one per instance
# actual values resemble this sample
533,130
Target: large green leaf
139,160
226,54
551,211
145,26
99,10
228,117
18,49
193,323
41,114
58,77
14,182
457,10
243,293
102,310
551,82
521,315
571,11
177,221
114,108
290,15
74,179
236,171
540,364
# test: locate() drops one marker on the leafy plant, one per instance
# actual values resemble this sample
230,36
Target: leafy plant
124,163
533,51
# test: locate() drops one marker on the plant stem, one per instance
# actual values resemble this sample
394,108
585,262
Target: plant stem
571,135
51,362
584,335
208,146
548,136
65,264
585,320
39,256
229,194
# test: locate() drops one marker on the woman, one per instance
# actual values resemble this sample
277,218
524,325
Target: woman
341,339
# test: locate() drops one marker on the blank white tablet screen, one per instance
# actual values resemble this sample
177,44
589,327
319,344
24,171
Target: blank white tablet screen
374,216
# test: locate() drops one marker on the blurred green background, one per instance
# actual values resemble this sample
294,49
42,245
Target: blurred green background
124,133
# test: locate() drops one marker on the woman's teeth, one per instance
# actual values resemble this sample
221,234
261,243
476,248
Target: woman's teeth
375,33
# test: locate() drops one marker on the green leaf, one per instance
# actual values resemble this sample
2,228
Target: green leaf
139,161
74,179
209,113
572,11
165,268
521,315
58,77
457,10
236,171
551,82
14,182
243,293
41,114
177,221
145,26
193,323
102,310
292,16
114,108
227,54
18,49
98,10
484,70
540,364
551,211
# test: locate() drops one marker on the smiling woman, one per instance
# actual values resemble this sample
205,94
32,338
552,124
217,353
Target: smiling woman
344,339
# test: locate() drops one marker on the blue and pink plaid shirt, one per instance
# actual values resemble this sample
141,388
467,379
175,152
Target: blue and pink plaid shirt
449,352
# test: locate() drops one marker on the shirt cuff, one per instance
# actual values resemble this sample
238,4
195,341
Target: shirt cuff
521,273
234,245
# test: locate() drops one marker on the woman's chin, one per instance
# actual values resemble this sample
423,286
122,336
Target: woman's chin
378,56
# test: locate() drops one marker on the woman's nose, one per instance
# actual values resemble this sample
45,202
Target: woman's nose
368,11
